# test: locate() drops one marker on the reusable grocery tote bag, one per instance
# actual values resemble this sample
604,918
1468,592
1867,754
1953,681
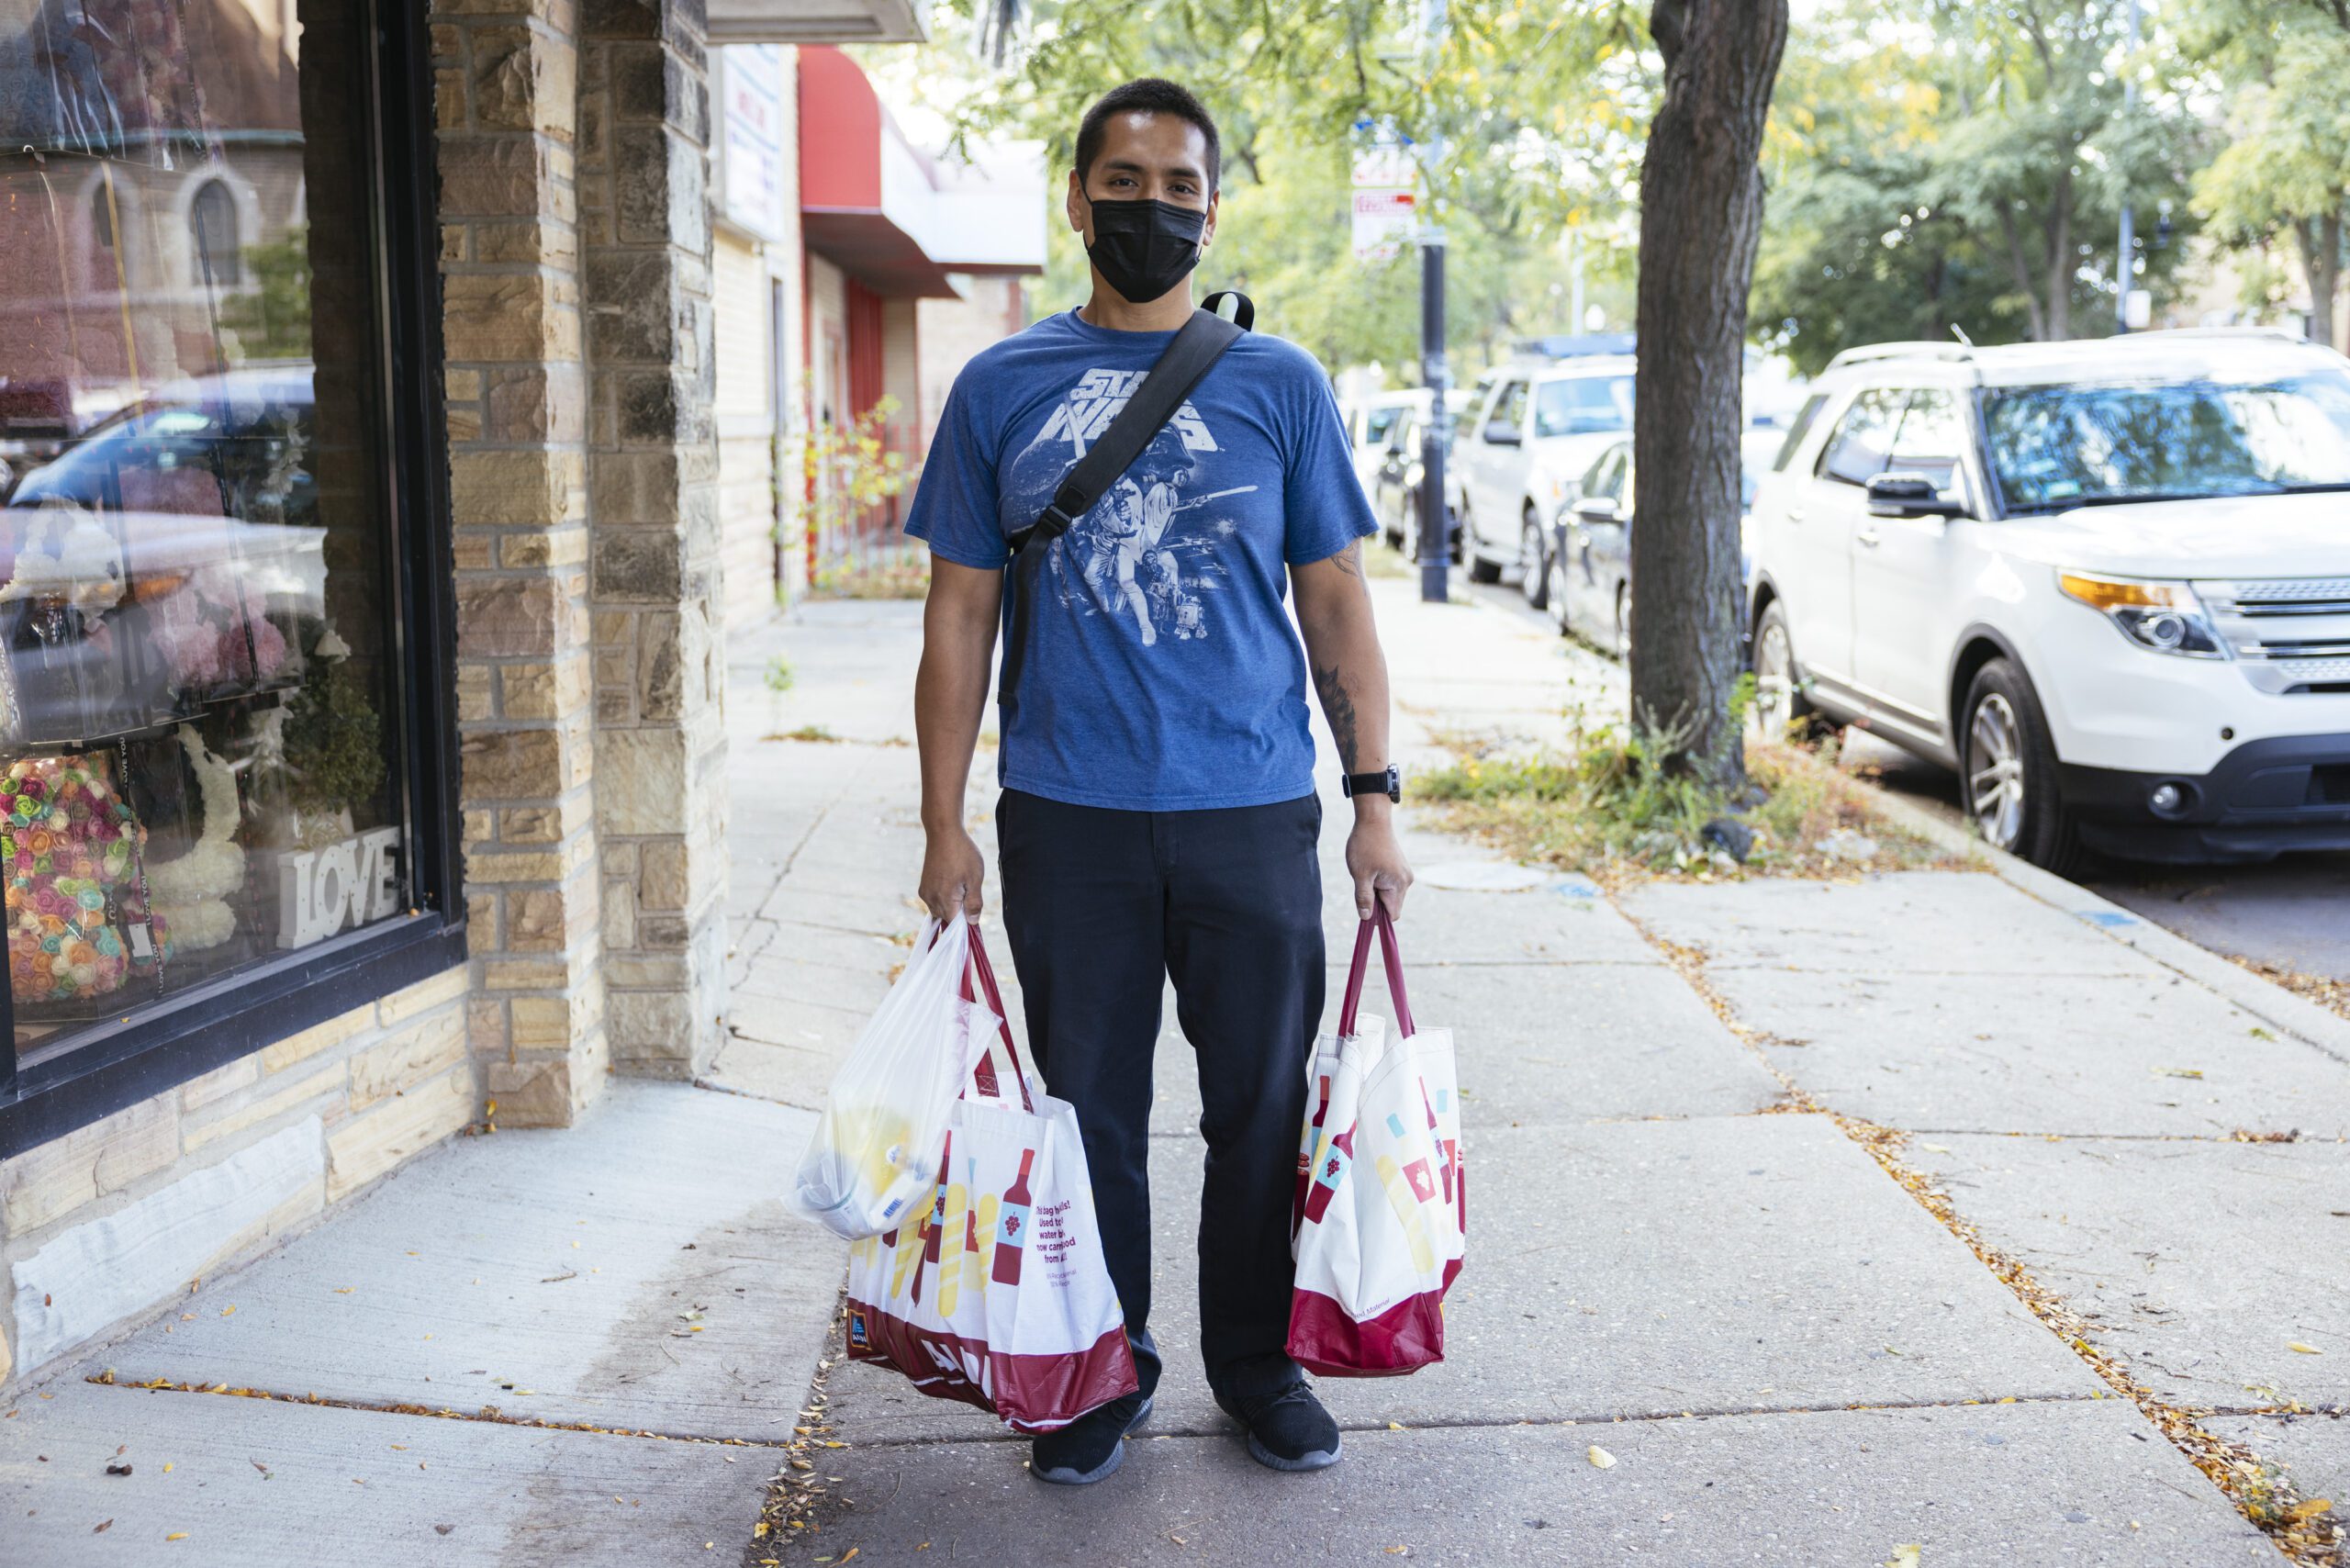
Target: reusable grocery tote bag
995,1293
1381,1215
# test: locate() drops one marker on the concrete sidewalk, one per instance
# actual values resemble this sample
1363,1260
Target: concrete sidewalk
1793,1362
1790,1358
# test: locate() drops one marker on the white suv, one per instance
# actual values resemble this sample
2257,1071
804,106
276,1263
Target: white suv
1524,454
2107,582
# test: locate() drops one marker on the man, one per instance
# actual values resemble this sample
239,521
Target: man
1158,817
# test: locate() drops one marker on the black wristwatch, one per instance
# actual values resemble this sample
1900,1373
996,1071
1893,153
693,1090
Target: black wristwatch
1390,784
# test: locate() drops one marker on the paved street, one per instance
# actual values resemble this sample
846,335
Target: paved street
1790,1358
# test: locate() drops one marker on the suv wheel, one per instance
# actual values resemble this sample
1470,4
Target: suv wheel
1555,575
1781,711
1624,623
1534,560
2008,771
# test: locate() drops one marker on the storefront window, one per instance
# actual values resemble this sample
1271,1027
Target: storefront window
201,647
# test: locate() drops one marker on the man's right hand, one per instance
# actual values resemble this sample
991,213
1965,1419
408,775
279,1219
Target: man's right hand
951,871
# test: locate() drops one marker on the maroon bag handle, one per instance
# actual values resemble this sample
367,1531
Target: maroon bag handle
984,1073
1393,959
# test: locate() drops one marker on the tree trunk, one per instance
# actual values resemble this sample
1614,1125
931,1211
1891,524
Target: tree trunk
1701,216
2061,261
2035,323
2320,247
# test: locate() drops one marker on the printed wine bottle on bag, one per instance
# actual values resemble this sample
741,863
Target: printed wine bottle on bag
1338,1153
936,1222
1306,1139
1011,1224
979,1245
956,1221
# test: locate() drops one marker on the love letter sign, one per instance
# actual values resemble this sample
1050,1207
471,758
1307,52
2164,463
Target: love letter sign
320,892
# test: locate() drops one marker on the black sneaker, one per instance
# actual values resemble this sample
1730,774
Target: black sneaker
1091,1447
1288,1429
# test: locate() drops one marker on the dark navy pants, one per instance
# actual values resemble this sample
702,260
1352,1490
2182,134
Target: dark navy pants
1101,908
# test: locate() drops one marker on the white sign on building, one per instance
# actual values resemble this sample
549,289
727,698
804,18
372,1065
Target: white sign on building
752,139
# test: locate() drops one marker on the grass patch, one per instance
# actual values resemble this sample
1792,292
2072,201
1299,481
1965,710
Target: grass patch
817,734
1604,807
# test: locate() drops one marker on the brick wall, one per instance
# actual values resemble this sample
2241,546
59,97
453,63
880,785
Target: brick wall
506,101
657,586
951,331
205,1175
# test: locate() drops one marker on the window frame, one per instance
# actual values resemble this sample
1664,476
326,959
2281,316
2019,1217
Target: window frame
1501,392
1821,469
154,1049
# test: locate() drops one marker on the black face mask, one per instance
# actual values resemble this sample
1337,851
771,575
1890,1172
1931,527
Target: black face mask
1144,248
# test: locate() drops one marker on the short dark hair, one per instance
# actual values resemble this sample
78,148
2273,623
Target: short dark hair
1147,95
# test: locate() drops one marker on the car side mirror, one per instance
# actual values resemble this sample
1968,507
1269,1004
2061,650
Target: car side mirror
1906,494
1500,434
1598,509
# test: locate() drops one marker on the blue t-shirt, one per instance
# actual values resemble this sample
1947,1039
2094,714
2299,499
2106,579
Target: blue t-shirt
1162,672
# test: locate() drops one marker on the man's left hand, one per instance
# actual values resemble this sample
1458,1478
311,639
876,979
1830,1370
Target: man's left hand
1375,860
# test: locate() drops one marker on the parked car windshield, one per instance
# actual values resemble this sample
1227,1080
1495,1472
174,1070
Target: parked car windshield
2082,445
1583,405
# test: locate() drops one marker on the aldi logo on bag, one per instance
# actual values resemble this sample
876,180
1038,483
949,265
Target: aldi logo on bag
858,1338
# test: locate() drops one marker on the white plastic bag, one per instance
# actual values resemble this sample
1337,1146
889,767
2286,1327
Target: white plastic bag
875,1152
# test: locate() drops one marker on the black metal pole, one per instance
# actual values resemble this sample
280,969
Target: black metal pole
1435,436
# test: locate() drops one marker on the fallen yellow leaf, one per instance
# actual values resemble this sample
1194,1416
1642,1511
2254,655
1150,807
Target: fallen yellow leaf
1903,1557
1600,1457
2305,1350
176,1535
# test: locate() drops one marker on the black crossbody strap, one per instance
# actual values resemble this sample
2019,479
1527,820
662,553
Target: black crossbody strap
1187,360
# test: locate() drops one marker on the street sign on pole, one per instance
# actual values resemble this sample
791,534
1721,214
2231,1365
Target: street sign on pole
1387,196
1384,219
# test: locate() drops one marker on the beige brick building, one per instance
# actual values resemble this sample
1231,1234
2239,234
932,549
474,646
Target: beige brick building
396,810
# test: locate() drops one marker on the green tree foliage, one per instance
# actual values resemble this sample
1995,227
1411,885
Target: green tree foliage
1540,109
2285,170
272,319
1940,164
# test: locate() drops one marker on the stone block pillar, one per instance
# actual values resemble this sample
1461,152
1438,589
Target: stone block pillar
644,120
506,100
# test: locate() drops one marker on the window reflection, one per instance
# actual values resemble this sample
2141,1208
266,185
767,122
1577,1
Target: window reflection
196,763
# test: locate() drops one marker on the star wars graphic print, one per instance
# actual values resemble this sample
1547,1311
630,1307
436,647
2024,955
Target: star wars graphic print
1147,551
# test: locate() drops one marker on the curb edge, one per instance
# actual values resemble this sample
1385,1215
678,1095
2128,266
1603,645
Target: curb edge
2262,999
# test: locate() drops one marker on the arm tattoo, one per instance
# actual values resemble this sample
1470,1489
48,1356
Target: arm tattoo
1339,708
1349,560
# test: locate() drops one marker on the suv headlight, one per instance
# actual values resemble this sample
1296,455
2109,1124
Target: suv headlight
2163,618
